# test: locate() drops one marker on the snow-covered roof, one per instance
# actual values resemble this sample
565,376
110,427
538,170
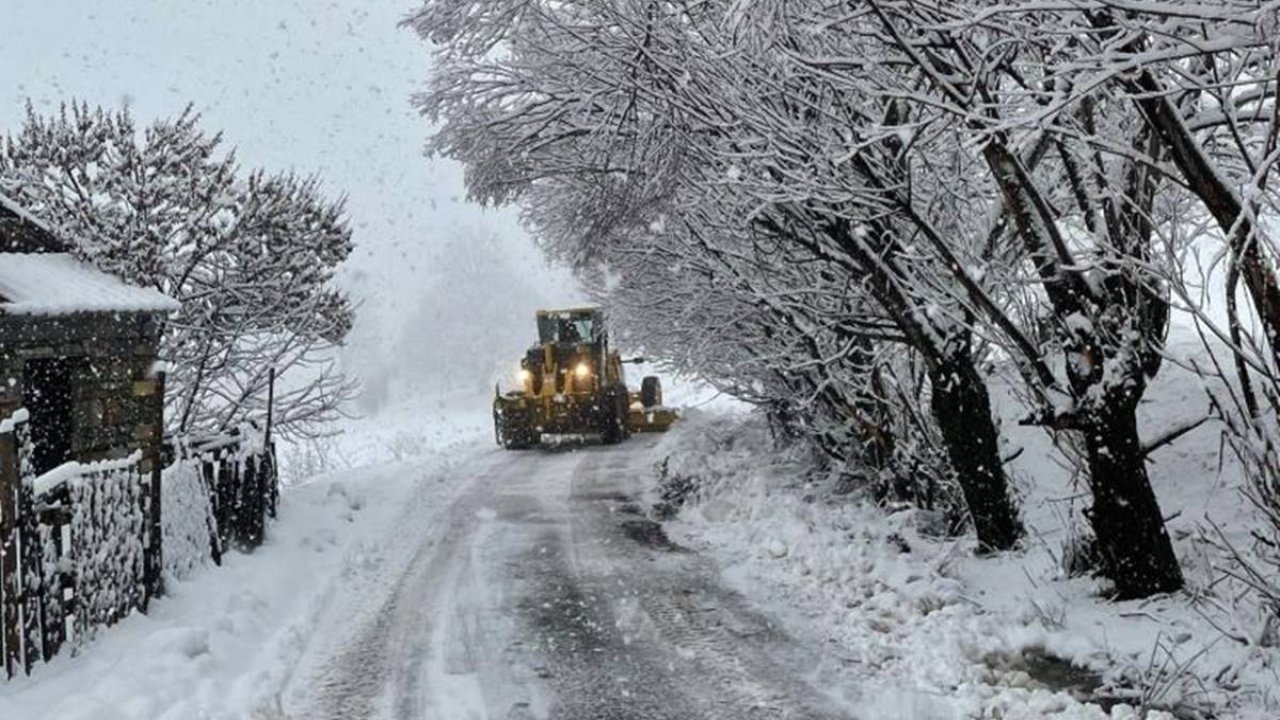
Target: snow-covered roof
59,284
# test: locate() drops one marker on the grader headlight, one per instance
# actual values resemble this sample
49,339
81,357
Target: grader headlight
582,371
525,376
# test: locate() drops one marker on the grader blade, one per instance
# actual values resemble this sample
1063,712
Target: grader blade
656,419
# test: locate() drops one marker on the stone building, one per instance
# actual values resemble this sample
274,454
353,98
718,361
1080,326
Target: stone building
78,349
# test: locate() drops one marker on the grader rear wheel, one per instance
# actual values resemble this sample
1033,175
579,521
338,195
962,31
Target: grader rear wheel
650,392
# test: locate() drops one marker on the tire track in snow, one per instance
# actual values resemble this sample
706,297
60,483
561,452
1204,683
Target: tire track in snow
541,593
434,645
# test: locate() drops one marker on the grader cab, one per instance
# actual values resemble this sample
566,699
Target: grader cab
572,384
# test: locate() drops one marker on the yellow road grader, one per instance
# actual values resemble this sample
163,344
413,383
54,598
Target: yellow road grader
572,384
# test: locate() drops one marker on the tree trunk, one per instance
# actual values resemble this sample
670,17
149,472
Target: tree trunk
962,409
1137,553
960,403
1125,516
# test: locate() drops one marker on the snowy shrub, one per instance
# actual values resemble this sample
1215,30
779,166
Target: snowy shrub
1240,565
305,458
1080,556
1262,573
1255,566
703,454
673,490
922,478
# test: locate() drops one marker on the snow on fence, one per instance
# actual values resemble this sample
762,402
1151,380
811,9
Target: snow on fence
225,487
77,550
93,535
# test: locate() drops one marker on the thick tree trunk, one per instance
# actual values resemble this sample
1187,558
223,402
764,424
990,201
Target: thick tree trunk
962,409
1125,516
960,403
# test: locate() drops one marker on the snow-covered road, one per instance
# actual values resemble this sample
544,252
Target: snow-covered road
540,590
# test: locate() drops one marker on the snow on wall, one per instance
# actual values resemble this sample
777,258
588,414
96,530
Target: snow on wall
17,418
59,284
69,471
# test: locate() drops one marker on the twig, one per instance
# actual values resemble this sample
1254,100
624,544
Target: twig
1172,435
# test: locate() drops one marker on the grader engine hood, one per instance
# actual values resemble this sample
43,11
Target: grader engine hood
572,383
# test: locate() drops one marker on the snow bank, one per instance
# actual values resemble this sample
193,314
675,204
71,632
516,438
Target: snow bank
917,626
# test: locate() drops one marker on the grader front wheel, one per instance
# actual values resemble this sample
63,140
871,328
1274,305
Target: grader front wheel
613,417
512,429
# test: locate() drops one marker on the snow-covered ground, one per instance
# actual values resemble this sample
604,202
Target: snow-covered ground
926,630
224,643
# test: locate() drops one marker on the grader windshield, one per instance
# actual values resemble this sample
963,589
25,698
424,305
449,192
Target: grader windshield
569,326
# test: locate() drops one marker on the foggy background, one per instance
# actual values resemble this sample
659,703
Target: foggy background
446,290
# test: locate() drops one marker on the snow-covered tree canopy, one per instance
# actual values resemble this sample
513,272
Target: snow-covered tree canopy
251,256
796,199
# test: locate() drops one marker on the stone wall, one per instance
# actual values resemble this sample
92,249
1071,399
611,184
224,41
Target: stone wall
111,358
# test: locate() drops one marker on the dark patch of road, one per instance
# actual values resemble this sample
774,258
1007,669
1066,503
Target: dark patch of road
648,533
595,671
633,626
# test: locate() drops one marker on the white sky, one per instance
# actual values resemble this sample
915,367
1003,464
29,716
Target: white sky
315,86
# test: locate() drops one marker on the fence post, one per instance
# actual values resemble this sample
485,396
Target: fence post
273,480
253,489
31,555
155,550
149,434
10,588
270,487
207,476
271,402
228,482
